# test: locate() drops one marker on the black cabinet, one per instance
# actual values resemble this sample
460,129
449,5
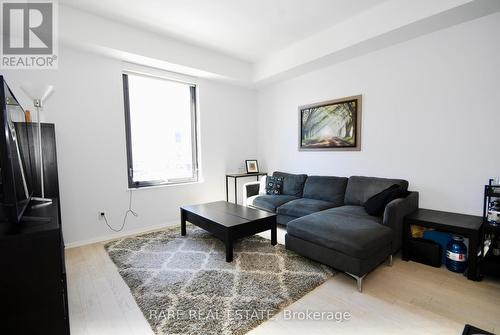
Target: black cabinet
33,281
33,290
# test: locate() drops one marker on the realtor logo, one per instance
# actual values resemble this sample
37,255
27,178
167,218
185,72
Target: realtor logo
29,35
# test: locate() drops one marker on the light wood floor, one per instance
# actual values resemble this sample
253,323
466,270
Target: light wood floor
407,298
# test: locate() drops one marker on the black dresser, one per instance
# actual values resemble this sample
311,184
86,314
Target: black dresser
33,291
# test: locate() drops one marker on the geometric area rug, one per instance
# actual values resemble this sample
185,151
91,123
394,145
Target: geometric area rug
183,284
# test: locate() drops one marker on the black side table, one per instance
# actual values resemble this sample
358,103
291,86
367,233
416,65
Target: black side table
236,176
461,224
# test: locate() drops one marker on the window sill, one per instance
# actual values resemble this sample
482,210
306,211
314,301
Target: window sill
164,185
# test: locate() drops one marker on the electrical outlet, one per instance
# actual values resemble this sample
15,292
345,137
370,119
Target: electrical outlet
102,215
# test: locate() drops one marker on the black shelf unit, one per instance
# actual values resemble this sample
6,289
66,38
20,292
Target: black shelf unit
33,289
490,264
469,226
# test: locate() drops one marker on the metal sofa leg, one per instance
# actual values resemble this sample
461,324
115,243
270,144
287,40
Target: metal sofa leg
359,281
389,260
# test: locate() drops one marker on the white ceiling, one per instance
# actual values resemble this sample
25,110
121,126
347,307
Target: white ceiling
249,30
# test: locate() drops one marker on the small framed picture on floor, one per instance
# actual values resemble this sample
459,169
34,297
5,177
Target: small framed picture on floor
252,166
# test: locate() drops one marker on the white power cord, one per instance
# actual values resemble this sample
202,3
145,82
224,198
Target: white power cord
130,210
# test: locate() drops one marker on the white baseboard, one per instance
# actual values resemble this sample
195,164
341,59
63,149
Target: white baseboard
114,236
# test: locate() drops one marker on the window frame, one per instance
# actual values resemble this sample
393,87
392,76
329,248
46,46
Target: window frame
128,134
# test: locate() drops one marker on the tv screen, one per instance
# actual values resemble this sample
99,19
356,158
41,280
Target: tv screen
16,157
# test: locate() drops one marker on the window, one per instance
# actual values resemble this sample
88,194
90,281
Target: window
160,118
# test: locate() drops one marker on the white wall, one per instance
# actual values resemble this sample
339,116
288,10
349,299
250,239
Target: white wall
87,108
430,115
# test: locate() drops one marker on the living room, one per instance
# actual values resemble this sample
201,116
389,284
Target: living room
178,141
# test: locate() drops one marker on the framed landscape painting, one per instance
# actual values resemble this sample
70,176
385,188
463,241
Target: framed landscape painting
331,125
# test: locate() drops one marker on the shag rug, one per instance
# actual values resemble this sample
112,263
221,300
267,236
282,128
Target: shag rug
183,284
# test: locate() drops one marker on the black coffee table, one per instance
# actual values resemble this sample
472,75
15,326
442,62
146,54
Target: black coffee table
228,222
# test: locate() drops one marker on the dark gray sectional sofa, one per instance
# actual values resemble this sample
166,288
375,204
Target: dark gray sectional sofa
326,221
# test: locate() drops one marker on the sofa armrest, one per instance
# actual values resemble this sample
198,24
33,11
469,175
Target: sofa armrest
394,214
249,190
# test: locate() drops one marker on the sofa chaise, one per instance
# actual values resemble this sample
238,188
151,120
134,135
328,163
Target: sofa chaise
326,221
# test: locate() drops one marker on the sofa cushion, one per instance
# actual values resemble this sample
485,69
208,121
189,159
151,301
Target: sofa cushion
351,235
325,188
359,189
356,211
293,184
269,202
284,219
303,206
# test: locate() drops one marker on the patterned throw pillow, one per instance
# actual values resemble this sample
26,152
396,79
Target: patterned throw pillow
274,185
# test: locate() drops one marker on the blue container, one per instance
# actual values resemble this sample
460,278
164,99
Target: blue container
456,255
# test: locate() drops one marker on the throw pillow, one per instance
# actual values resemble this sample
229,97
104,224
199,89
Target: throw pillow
262,185
376,204
274,185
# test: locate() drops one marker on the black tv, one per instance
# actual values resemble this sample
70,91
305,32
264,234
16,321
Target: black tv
16,157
